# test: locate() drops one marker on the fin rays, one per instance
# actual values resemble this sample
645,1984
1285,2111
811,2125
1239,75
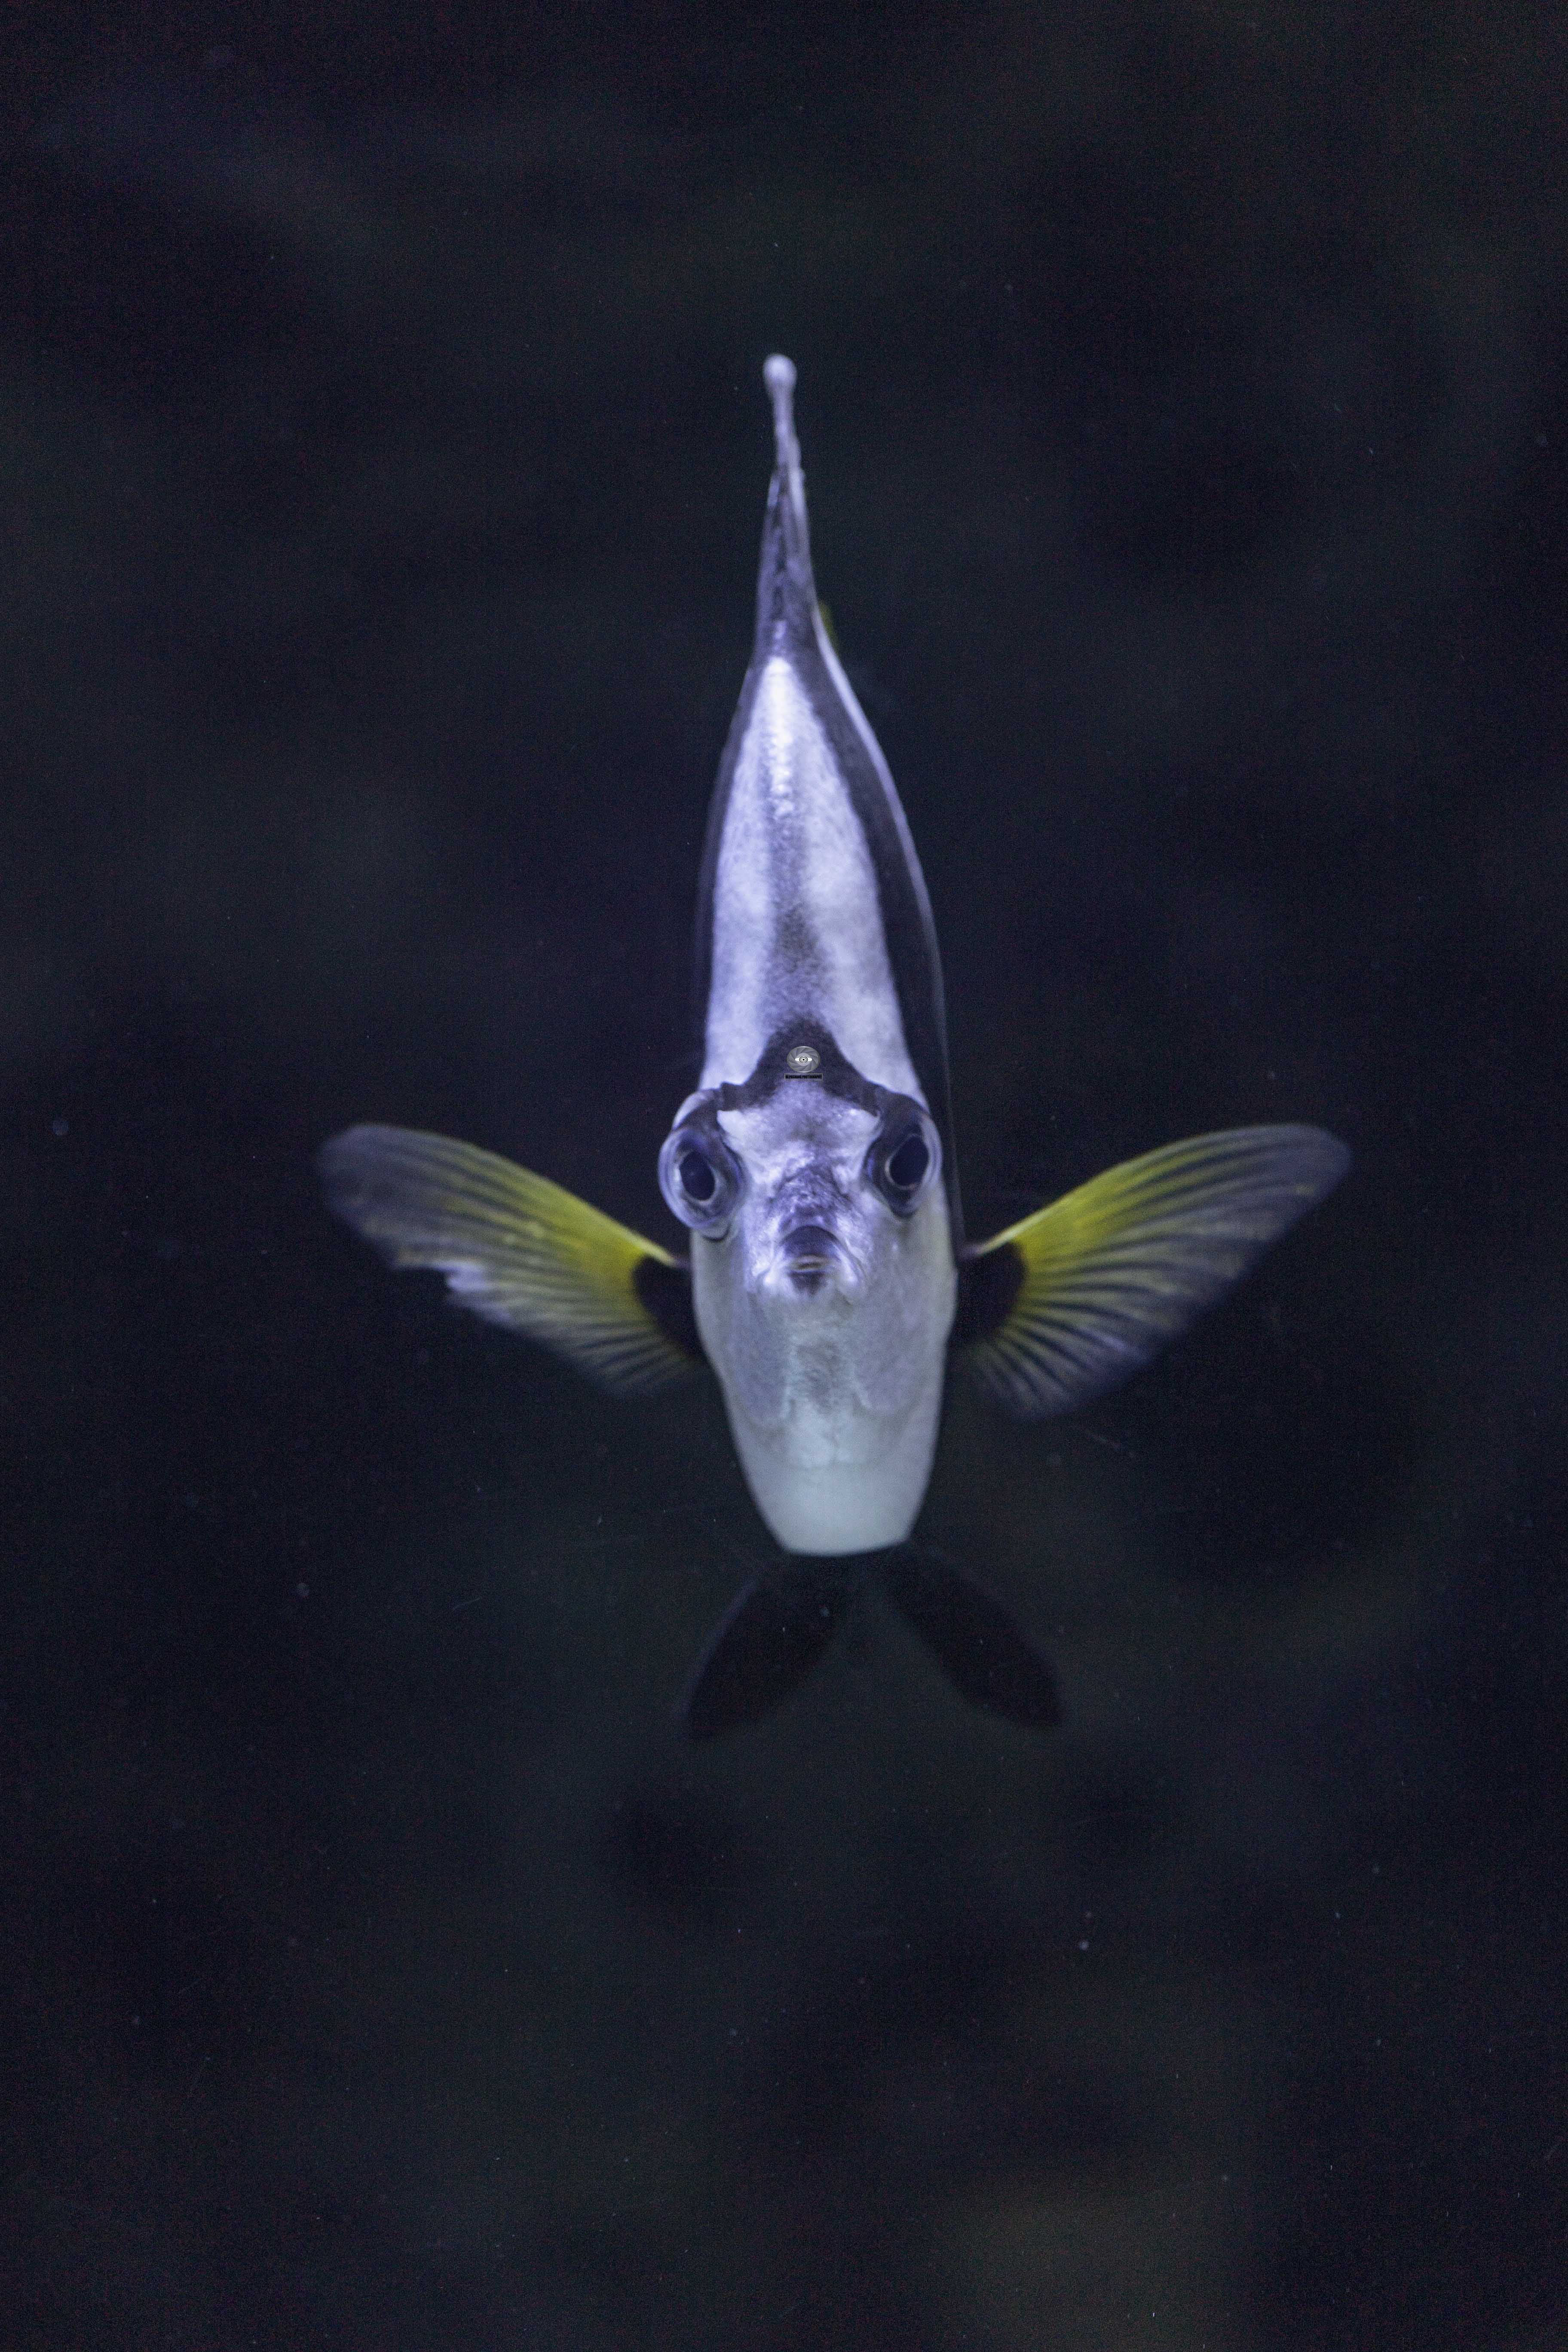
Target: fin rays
1087,1290
519,1251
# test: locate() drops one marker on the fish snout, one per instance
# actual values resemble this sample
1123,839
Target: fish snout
808,1255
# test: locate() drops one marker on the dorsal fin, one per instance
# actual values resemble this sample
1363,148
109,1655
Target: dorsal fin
787,591
798,726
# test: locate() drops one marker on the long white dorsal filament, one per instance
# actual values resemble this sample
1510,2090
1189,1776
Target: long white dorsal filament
778,374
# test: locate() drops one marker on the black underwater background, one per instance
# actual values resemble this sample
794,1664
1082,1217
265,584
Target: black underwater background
383,455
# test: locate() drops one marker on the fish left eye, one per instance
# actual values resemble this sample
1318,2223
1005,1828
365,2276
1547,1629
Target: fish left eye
909,1163
900,1165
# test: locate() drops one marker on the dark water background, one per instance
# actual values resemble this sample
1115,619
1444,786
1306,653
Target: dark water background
382,456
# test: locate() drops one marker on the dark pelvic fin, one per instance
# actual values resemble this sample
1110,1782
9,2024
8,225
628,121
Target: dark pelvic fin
766,1643
988,1658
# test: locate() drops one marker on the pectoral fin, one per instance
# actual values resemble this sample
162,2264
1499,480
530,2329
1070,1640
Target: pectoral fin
519,1251
1070,1301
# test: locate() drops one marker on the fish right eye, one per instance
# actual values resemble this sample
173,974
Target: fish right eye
698,1179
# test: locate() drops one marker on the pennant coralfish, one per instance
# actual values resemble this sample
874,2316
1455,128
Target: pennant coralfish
828,1280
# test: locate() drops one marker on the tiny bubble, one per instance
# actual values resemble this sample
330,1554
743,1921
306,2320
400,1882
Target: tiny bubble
1083,1943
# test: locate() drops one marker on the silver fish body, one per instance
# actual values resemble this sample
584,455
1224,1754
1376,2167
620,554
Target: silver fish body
824,1286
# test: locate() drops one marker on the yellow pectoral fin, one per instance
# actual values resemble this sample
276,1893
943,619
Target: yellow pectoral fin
519,1251
1076,1297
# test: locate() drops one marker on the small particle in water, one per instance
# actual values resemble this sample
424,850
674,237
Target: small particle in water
59,1126
303,1592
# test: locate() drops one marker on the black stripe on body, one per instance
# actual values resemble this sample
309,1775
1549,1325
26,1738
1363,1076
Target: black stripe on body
833,1072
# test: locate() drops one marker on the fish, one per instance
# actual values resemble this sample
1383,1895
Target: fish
827,1280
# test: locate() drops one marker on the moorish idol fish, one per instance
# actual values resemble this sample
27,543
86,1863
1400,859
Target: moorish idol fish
828,1280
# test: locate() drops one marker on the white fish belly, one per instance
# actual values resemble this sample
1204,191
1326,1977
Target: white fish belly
828,1504
834,1403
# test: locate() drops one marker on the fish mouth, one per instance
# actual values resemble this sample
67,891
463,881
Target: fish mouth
809,1254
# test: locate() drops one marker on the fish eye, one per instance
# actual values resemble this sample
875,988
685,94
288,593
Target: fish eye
698,1180
901,1163
909,1163
699,1177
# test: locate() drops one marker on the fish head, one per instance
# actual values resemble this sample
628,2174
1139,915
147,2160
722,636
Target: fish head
823,1283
